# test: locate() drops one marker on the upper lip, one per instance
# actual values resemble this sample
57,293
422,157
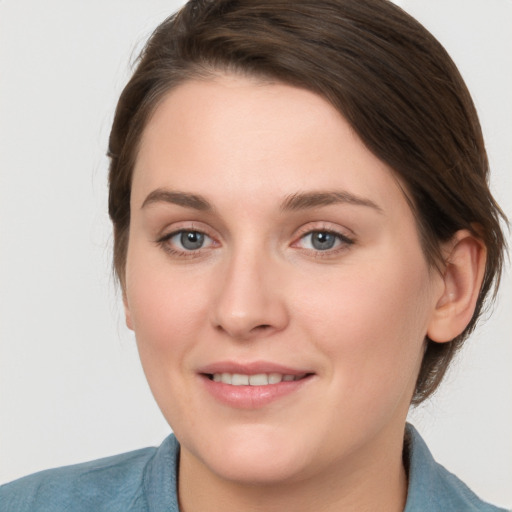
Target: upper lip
250,368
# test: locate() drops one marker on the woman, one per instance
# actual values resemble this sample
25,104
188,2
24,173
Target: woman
304,238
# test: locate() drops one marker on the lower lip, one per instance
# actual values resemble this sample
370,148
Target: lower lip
252,397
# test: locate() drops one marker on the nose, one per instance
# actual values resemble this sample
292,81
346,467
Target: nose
251,301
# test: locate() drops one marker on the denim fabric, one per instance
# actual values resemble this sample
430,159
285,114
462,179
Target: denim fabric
139,481
431,487
146,481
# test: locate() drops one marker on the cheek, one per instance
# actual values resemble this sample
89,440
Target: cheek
168,319
366,304
165,308
371,323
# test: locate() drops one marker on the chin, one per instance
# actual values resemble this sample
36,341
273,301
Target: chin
254,456
253,468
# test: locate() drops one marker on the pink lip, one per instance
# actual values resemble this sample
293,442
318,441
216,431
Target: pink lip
251,368
251,397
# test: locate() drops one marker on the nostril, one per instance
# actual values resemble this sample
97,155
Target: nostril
262,327
243,327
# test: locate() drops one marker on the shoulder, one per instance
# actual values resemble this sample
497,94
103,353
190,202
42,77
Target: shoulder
110,484
432,487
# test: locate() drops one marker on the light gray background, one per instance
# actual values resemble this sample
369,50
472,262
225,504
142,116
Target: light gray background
71,387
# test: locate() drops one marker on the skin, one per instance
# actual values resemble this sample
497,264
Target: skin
354,316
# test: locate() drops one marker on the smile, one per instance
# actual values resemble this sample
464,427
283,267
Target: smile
253,388
259,379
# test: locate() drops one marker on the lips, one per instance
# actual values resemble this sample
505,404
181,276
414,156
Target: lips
252,385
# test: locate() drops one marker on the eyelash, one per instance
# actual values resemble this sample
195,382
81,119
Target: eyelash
183,253
343,241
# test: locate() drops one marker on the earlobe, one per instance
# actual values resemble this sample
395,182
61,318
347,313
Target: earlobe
462,279
127,314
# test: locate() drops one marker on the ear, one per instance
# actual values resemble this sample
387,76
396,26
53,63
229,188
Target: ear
127,313
462,279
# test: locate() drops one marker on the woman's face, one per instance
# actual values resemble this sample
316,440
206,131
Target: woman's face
275,282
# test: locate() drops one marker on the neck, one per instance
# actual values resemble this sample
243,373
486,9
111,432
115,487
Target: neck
376,481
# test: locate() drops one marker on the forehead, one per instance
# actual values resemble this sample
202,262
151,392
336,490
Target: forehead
233,135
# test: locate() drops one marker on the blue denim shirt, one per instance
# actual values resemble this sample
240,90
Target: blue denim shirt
146,481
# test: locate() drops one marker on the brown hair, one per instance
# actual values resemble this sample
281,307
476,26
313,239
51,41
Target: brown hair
383,71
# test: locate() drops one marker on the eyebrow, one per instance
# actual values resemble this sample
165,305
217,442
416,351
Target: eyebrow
308,200
294,202
185,199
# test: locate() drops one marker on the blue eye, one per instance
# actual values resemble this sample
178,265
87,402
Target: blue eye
185,240
323,240
190,240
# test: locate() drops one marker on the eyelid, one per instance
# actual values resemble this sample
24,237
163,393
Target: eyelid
172,234
345,236
177,227
173,230
328,227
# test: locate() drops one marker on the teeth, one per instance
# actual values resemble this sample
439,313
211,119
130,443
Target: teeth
225,378
259,379
274,378
238,379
